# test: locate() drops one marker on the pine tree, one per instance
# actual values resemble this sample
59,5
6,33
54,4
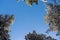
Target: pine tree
53,16
5,22
35,36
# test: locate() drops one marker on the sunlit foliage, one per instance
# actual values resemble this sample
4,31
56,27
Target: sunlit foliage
53,16
30,2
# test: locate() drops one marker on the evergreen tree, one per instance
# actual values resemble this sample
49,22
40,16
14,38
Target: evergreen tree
5,22
35,36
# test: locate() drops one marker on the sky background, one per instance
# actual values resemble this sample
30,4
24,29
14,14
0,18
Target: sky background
27,18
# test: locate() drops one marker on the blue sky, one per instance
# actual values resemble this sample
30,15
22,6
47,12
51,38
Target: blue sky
27,18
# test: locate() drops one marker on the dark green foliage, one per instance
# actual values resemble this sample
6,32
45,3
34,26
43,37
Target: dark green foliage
35,36
5,22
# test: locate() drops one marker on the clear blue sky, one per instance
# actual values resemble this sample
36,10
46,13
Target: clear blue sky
27,18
